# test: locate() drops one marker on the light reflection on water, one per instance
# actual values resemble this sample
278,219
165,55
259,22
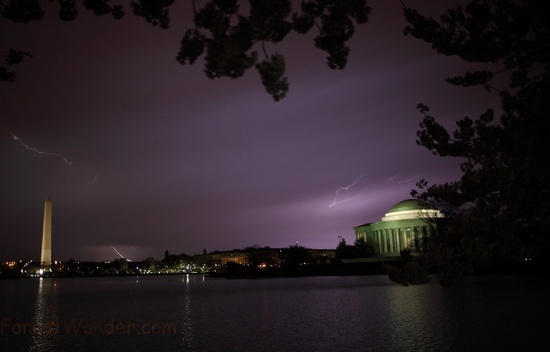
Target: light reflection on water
186,317
194,313
45,328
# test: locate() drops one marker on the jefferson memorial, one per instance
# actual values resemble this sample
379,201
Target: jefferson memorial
402,227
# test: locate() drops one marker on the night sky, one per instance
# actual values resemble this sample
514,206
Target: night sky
147,155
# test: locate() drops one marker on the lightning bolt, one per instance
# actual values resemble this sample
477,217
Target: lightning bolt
402,181
409,180
391,180
41,152
64,159
336,201
117,252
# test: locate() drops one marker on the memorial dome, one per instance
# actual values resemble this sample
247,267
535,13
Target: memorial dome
409,204
411,209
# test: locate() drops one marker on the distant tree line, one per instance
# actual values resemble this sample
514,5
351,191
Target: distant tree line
359,249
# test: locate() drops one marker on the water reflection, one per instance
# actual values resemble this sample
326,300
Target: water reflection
187,319
497,313
46,325
414,316
300,314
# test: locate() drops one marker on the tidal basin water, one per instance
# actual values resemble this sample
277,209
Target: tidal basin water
196,313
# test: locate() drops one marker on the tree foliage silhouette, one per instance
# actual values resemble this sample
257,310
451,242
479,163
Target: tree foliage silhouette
501,204
360,249
226,32
295,256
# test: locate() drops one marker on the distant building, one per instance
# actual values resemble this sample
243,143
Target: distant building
403,226
265,257
222,258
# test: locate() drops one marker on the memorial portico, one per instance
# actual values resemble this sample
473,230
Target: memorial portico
402,227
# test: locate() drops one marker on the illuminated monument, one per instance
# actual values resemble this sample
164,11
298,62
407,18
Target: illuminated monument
46,253
402,227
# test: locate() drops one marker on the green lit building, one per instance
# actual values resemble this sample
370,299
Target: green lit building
402,227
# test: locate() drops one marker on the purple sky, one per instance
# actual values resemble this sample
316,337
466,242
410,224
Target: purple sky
164,158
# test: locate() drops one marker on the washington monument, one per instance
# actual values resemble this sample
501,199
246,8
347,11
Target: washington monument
46,253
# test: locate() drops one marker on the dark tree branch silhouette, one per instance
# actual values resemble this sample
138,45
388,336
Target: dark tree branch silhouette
226,32
501,204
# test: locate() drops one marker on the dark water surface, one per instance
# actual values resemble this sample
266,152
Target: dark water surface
194,313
